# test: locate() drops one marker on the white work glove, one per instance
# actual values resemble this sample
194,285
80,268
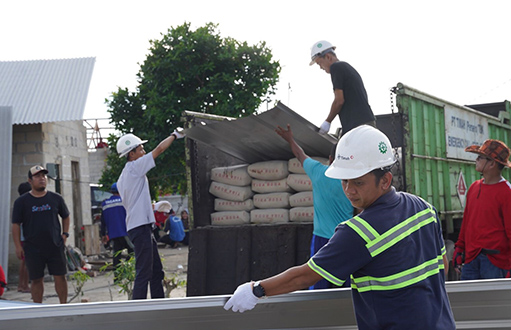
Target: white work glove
324,128
243,299
178,132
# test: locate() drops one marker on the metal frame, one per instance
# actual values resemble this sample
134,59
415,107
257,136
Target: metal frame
478,305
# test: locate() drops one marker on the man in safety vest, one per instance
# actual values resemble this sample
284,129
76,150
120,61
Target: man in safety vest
393,249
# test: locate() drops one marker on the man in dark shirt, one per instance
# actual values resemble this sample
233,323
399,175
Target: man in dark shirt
350,96
45,239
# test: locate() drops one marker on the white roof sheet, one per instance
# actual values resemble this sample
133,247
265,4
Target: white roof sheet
42,91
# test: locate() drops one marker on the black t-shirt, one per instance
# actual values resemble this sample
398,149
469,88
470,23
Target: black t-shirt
356,109
39,218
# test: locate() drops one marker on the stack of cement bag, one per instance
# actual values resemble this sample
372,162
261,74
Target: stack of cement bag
301,202
275,191
231,186
271,191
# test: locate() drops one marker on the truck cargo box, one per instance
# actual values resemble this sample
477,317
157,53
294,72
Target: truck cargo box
430,135
221,258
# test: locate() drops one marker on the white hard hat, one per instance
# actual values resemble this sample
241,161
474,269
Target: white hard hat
163,206
128,142
318,49
360,151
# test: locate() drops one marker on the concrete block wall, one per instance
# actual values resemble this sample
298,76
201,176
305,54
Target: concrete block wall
97,162
64,143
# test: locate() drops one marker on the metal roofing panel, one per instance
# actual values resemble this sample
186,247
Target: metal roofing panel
253,138
42,91
5,183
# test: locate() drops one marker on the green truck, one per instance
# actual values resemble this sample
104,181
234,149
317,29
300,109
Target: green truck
430,135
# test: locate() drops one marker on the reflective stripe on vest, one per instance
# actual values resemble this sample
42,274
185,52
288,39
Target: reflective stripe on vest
399,280
326,275
376,244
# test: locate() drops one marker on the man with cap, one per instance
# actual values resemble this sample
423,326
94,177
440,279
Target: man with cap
113,225
133,188
484,242
45,238
393,250
350,96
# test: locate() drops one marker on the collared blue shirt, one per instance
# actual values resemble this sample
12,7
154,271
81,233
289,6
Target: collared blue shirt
331,206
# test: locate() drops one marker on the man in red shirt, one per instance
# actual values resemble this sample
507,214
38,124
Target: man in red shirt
485,236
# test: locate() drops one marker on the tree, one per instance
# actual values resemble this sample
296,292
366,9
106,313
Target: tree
188,70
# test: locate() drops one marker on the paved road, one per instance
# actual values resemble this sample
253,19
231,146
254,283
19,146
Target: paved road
101,288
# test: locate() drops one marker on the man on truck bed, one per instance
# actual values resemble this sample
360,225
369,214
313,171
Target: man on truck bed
350,96
393,250
485,236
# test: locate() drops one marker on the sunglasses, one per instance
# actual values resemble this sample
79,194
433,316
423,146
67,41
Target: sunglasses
483,158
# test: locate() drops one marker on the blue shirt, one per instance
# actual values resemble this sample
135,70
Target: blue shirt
394,250
331,206
113,217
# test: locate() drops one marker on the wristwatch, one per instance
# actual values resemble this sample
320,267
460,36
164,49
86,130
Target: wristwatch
258,290
65,234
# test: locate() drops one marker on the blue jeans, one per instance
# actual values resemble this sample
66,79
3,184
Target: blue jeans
149,269
481,268
317,243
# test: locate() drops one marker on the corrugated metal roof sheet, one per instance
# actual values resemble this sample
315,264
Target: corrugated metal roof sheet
5,183
42,91
253,138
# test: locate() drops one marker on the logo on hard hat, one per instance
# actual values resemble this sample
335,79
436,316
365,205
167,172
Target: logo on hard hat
128,142
382,147
320,45
344,157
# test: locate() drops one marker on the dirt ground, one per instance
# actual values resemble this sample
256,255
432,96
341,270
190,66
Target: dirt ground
101,288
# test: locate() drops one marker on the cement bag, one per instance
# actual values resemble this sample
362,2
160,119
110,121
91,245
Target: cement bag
294,165
269,186
229,218
272,200
225,205
299,182
303,198
270,170
233,175
301,214
269,216
229,192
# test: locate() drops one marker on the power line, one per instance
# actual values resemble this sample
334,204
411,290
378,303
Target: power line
491,90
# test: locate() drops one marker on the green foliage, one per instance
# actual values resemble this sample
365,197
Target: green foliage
193,70
79,279
124,274
171,283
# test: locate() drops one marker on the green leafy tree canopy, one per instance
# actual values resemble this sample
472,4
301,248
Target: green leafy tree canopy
187,69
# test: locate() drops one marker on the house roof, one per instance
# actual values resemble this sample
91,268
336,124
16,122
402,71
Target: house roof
41,91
